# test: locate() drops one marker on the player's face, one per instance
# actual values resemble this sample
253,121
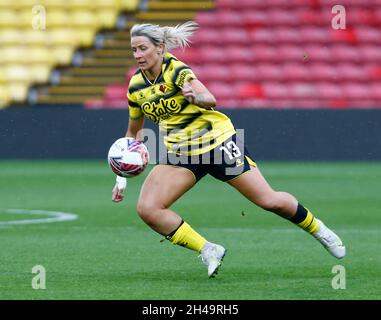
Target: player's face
146,54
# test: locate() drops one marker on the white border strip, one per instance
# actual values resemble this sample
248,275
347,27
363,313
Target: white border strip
55,216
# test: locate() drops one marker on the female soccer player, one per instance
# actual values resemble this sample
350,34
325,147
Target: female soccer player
199,141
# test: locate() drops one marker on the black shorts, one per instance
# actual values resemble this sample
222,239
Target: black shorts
225,162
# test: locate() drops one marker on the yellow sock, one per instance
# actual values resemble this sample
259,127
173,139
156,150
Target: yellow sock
309,224
305,219
185,236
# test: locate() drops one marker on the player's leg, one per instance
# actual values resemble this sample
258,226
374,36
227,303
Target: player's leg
255,187
163,186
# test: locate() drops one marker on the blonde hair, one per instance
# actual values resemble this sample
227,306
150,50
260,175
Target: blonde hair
171,37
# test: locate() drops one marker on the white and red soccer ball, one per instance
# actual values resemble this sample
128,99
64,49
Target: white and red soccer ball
128,157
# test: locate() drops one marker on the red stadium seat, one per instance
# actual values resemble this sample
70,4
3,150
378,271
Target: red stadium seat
377,15
190,55
303,103
251,90
232,19
240,54
269,72
229,103
213,72
253,19
371,53
373,72
347,35
297,72
262,36
130,72
303,90
222,90
115,104
207,36
306,16
338,103
318,53
281,17
323,72
242,4
207,19
275,90
368,35
256,103
357,91
312,34
351,72
287,35
116,92
289,52
329,90
375,91
264,52
94,104
362,17
346,53
243,72
363,104
212,54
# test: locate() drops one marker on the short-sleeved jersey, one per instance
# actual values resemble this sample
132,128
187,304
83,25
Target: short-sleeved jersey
187,128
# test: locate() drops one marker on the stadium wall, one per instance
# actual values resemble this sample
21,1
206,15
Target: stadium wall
75,133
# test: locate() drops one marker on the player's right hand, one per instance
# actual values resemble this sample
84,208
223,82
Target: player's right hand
117,191
117,194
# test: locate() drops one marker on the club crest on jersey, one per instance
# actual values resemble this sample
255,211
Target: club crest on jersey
163,88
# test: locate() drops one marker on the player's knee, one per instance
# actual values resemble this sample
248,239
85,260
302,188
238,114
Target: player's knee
271,203
147,211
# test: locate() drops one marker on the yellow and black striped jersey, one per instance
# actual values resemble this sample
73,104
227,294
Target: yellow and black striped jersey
187,128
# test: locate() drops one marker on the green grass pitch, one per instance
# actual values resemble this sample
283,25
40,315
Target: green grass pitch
109,253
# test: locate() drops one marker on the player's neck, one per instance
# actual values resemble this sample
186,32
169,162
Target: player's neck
153,73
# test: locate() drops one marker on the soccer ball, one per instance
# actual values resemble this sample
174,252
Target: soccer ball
128,157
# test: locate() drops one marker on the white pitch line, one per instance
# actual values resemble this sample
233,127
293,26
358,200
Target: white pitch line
55,216
291,230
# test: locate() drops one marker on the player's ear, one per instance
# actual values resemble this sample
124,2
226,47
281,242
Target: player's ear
160,49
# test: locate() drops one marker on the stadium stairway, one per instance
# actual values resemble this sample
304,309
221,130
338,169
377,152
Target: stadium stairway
36,37
91,68
100,70
162,12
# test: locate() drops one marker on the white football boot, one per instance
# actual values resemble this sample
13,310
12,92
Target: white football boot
212,255
329,240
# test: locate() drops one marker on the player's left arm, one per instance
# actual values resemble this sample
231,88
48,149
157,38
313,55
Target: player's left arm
195,92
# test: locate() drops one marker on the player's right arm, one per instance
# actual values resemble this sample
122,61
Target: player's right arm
135,126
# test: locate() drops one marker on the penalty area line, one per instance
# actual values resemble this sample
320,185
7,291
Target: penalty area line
53,216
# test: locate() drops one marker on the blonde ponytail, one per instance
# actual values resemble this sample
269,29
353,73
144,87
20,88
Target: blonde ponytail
178,37
171,37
